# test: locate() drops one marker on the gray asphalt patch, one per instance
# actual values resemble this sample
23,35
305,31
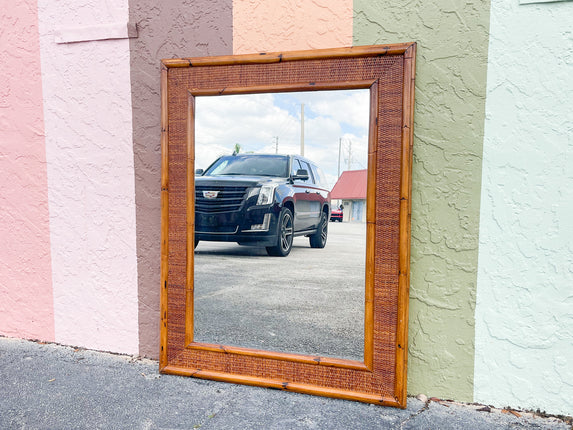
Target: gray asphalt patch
48,386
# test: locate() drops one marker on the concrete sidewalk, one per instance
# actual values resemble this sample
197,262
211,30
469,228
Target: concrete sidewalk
47,386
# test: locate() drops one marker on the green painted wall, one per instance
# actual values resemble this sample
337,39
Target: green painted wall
451,66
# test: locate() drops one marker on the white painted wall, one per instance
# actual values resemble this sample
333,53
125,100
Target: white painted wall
87,110
524,311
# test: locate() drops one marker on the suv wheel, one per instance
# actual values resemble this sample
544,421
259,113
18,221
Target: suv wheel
318,240
284,236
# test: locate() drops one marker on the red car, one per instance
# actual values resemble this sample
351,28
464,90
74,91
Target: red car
336,215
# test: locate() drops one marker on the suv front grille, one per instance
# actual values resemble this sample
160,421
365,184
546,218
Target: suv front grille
229,199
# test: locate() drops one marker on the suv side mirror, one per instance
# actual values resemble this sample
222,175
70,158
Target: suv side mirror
199,171
301,174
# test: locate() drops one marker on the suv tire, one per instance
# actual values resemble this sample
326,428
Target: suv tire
318,240
284,236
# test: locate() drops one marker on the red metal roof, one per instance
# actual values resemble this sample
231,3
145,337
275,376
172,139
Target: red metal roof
351,185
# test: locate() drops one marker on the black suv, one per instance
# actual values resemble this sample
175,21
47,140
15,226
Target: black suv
263,200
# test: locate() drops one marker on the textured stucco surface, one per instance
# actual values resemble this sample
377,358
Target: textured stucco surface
266,26
26,308
448,128
524,313
87,110
171,29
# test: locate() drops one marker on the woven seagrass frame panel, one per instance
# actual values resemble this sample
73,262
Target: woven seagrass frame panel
388,71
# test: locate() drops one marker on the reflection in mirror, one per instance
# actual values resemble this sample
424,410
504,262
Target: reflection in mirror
295,281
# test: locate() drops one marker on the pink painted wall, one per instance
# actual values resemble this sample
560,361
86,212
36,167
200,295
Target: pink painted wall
87,108
264,26
26,305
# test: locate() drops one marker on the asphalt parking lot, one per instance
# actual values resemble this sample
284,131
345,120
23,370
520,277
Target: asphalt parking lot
310,302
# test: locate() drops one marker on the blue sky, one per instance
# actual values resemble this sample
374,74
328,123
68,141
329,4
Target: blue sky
258,121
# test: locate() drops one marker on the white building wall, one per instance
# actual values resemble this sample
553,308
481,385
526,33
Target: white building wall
524,311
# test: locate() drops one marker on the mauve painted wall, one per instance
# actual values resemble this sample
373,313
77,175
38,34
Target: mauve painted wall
26,305
166,30
87,109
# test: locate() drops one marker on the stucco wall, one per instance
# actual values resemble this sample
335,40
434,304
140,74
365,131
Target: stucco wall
87,110
448,132
26,305
524,313
171,29
267,26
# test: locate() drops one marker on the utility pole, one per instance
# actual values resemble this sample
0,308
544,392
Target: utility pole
349,153
302,129
276,138
339,149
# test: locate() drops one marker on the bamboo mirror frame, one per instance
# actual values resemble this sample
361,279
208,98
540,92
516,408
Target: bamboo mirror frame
388,72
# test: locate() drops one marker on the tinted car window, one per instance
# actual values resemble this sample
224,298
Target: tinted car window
295,166
306,167
251,165
319,176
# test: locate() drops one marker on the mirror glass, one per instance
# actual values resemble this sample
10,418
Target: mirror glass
248,294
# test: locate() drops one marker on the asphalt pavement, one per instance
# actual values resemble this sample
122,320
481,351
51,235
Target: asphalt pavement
49,386
310,302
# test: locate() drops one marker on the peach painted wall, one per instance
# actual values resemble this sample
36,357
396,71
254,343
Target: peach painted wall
26,305
274,25
87,109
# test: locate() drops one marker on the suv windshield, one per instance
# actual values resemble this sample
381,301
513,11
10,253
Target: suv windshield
250,165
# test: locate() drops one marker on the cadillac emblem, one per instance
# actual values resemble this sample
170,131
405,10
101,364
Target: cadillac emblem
210,194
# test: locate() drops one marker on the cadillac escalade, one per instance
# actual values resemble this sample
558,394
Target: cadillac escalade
261,199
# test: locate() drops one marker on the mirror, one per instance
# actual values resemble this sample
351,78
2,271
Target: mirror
312,301
193,341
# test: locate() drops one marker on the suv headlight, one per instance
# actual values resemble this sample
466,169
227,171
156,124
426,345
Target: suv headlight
253,192
266,195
